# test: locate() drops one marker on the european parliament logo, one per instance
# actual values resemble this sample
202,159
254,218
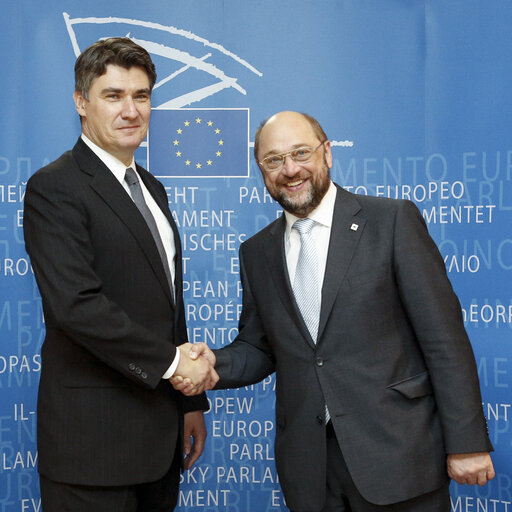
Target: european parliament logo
190,67
199,143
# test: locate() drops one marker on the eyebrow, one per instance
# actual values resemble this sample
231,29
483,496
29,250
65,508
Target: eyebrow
119,91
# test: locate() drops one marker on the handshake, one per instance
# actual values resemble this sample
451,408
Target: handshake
195,372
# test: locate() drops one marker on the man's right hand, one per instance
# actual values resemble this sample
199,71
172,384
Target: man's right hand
195,372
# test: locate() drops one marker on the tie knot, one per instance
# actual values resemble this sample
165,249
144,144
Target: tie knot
130,177
304,226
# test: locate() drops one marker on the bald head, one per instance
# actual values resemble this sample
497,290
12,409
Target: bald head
284,123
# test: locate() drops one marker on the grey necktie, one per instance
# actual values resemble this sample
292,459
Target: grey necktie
305,283
132,180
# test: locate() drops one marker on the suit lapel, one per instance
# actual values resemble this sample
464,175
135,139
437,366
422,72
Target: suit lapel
347,228
112,192
276,259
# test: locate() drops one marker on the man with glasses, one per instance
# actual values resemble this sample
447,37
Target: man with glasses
346,297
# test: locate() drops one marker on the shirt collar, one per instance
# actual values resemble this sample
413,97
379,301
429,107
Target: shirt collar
117,167
322,214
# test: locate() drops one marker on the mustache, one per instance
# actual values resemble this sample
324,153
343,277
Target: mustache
302,176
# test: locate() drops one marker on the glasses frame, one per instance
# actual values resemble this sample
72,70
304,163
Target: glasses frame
289,153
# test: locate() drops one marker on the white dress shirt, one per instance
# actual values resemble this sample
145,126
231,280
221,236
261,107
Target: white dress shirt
118,169
321,233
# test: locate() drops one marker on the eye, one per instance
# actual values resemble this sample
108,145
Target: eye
274,161
301,154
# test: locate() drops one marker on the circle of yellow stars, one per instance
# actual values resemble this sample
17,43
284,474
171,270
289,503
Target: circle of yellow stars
188,124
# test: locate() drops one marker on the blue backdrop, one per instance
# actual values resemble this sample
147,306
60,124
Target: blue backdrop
416,97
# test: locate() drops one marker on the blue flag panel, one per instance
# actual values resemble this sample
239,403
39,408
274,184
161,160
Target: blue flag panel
199,143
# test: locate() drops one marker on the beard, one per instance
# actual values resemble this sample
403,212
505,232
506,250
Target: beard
304,205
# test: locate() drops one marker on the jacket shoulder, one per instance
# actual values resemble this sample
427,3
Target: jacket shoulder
274,227
55,168
378,206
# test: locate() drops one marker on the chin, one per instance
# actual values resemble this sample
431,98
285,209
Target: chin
131,145
295,206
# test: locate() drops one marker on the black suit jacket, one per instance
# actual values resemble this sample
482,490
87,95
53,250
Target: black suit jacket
105,416
392,360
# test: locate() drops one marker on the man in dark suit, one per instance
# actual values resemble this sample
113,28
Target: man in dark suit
110,425
377,395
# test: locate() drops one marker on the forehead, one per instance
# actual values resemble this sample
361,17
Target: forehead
134,77
285,131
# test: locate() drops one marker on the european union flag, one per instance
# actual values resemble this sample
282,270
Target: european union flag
199,143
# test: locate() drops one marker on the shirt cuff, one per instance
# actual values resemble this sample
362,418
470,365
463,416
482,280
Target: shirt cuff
170,372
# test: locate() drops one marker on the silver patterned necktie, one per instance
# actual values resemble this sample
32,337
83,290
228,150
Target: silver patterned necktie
305,282
132,180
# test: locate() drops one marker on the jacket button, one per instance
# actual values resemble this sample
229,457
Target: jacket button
131,367
144,375
319,361
138,371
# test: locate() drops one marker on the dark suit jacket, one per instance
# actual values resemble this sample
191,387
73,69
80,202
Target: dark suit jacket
392,361
105,416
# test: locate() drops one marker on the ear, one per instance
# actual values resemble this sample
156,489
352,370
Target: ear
328,153
80,102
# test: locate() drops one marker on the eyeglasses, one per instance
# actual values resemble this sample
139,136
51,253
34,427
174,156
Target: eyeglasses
275,162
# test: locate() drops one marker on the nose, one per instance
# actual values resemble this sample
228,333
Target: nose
129,109
290,168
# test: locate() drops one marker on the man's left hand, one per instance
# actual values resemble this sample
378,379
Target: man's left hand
470,468
194,428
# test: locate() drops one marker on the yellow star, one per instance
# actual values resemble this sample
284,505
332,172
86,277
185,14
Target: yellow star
210,123
198,120
221,142
180,131
198,165
187,123
209,162
218,153
176,142
187,162
217,131
178,153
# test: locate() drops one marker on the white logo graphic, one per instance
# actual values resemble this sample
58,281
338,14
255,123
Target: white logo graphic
155,38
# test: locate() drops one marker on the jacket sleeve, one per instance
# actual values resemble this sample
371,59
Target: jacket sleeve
248,359
435,314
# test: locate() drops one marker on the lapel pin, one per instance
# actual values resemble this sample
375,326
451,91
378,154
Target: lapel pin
354,227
